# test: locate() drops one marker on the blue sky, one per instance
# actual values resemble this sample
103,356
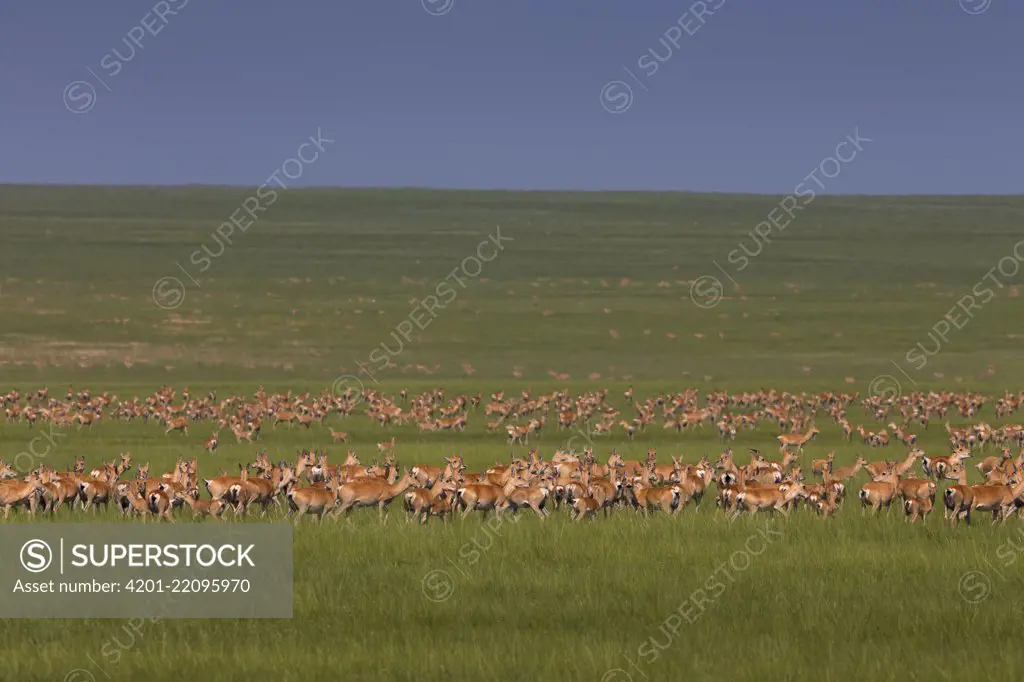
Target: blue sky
489,94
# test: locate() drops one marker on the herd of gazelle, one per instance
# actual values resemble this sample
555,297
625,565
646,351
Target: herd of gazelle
311,486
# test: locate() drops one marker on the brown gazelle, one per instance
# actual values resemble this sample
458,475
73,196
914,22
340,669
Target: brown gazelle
826,505
95,491
797,440
879,492
646,498
753,499
944,467
420,501
16,493
57,490
211,444
693,482
179,424
584,506
530,496
844,474
485,497
998,499
201,508
917,509
133,500
958,498
220,487
313,500
878,469
992,463
916,489
822,466
369,493
161,502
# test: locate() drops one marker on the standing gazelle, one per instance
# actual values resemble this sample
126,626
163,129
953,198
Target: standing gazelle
179,424
797,440
370,492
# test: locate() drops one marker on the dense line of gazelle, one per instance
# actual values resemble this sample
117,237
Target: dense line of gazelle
523,416
311,485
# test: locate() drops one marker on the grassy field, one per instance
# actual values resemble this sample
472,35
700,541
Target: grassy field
592,291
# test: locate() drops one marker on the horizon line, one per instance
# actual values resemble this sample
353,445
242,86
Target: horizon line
423,188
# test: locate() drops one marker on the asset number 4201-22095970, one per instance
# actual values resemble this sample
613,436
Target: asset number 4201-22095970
185,585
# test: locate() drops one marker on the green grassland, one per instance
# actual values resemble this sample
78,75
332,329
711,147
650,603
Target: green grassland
593,286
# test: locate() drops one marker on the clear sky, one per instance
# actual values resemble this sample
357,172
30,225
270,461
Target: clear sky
511,93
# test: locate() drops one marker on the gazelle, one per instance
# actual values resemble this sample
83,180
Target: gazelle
879,492
97,490
287,416
998,499
917,509
201,508
211,444
877,469
132,500
908,439
338,436
260,490
370,493
797,440
907,464
57,490
825,506
420,501
991,463
789,458
220,487
753,499
844,474
959,498
118,468
693,483
161,502
16,493
916,489
584,506
664,473
940,467
647,498
530,496
485,497
825,498
821,466
179,424
241,433
313,500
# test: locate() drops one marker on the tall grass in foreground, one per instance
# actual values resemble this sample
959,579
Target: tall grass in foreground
757,599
